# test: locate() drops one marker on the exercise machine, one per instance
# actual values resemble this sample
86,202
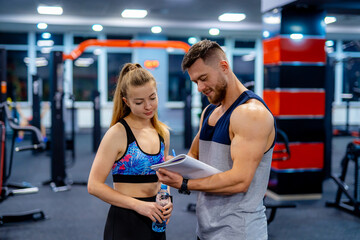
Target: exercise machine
352,203
59,143
281,152
347,97
6,189
59,181
6,119
97,125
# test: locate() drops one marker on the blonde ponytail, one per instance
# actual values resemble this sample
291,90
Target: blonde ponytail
132,74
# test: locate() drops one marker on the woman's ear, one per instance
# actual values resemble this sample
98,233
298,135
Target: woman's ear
125,101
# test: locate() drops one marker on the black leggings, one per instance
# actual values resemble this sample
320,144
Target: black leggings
126,224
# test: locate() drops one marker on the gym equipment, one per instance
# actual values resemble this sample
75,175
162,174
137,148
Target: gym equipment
125,43
5,171
273,209
97,126
70,142
347,97
188,131
59,181
59,144
281,153
36,100
352,203
133,44
21,189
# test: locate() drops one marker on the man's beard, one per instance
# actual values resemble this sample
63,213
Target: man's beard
220,92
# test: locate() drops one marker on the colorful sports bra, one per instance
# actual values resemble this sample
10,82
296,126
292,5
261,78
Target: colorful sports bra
134,165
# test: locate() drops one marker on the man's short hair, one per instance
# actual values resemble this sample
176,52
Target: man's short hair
205,50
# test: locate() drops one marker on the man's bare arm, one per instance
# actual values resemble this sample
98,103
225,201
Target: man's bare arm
252,132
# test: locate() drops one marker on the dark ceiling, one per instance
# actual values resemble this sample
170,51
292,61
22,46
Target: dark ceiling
176,17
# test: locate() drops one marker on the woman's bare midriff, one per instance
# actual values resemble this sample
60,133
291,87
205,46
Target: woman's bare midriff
139,190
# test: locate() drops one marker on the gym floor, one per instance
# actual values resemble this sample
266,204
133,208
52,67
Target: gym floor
75,214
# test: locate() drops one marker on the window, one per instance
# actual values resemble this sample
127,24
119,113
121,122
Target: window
119,37
17,75
57,38
351,82
220,41
13,38
80,39
244,44
179,82
181,39
351,46
85,75
244,67
115,63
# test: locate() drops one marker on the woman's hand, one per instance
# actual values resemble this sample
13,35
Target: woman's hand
167,211
151,210
169,157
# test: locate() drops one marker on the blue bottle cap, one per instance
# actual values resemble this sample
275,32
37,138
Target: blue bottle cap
163,186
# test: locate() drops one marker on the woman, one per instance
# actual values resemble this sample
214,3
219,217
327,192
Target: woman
135,141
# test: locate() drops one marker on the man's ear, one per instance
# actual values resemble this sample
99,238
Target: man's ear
224,65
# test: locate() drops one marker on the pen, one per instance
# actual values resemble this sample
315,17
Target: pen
173,152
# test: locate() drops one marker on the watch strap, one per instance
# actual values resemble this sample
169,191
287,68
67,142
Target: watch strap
184,188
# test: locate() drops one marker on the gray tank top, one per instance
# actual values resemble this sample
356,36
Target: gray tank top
239,216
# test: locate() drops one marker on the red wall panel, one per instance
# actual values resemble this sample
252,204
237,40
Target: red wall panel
303,156
286,50
284,102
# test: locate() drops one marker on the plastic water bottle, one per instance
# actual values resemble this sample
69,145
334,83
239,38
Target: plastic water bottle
162,198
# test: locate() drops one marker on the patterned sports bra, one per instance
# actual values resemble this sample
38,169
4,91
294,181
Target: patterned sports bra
134,165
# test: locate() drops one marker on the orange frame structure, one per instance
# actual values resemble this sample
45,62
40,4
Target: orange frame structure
124,43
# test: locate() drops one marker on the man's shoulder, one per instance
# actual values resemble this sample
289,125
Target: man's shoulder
252,106
251,112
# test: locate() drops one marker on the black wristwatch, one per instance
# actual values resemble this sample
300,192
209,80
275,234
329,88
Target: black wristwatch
184,188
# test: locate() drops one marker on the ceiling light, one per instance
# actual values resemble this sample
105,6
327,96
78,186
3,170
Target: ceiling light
266,34
329,20
272,19
45,43
134,13
192,40
39,62
46,50
156,29
42,26
97,51
329,43
214,31
52,10
97,27
296,36
232,17
329,49
46,35
249,57
83,62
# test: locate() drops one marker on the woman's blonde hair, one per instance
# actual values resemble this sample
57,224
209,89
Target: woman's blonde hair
132,74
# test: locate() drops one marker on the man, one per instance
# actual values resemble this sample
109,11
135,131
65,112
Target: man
236,135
